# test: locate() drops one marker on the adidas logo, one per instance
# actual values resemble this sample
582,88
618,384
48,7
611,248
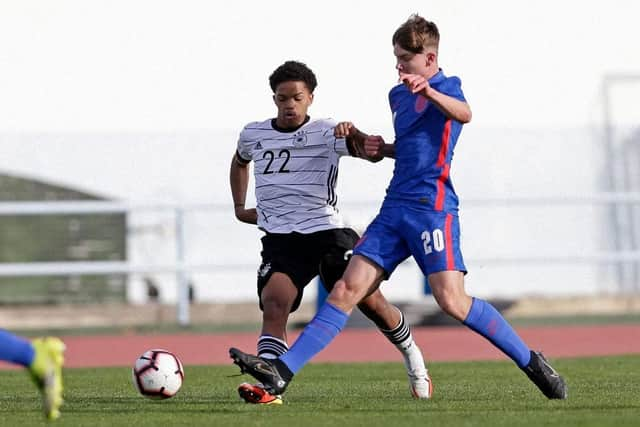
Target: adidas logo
258,146
264,269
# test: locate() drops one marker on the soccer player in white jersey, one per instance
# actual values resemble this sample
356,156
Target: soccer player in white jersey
296,168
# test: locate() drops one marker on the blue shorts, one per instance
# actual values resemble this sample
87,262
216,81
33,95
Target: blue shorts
431,237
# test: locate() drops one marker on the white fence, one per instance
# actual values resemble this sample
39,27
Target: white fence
513,247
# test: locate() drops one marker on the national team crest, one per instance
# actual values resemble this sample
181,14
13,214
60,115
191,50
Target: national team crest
421,103
300,139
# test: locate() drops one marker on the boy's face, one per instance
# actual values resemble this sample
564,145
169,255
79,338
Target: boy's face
412,63
293,99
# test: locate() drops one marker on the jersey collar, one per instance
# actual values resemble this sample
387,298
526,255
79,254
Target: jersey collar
288,130
438,77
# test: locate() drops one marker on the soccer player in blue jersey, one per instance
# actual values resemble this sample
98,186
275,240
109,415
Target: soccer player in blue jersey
419,218
43,357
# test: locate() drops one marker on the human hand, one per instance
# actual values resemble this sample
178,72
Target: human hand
415,82
373,146
344,129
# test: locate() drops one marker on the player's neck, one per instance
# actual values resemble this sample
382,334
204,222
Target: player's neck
432,71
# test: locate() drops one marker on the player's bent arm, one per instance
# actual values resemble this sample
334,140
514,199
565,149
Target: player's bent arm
358,147
374,146
239,181
389,150
450,106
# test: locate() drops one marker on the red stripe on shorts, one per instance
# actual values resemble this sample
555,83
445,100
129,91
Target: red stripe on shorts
451,265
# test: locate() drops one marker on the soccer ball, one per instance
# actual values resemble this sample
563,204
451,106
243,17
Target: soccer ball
158,374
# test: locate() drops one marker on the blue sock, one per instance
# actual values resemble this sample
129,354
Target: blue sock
15,349
485,320
319,332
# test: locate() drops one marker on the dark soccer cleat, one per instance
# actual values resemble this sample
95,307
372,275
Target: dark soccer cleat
264,370
550,383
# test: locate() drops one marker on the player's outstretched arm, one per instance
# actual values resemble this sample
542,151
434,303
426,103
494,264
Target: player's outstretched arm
450,106
239,180
356,141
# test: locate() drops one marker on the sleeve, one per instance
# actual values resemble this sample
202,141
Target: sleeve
243,149
339,145
453,88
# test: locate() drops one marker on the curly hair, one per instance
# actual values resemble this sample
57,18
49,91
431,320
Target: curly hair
293,71
417,34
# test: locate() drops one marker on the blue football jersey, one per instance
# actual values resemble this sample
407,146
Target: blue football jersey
425,140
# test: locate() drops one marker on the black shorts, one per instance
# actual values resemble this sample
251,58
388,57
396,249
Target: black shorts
299,256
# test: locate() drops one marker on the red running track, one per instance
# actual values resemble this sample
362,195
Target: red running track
357,345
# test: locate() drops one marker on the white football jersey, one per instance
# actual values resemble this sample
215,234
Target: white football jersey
295,175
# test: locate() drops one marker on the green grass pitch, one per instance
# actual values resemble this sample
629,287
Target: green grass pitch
603,391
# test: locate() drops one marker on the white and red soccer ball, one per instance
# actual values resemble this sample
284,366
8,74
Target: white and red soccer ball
158,374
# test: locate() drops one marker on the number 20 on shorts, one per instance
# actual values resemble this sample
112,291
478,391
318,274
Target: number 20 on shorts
432,240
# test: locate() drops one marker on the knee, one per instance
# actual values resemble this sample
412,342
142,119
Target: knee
275,307
449,306
344,295
453,304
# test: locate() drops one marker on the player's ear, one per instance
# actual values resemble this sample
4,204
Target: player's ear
310,98
431,57
274,99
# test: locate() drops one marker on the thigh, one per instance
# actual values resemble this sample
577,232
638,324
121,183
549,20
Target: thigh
448,290
434,240
279,291
361,278
383,243
293,257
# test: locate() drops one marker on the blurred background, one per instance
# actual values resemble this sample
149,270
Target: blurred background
118,121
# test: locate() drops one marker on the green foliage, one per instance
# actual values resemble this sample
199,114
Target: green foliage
603,392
